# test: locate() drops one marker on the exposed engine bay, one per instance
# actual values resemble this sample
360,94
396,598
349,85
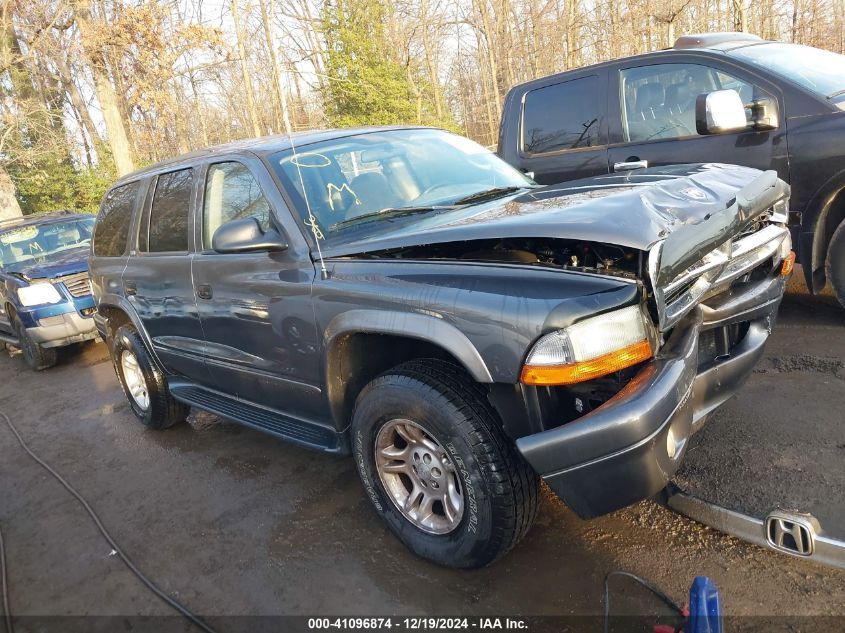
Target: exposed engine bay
565,254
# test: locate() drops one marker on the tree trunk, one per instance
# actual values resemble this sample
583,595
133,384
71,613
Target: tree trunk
247,79
9,207
118,141
281,97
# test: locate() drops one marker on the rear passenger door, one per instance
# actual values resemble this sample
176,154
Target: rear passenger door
562,130
653,118
255,307
157,278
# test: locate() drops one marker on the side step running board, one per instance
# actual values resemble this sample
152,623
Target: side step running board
252,415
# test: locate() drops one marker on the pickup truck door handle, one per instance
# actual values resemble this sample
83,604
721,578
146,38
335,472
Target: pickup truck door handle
204,291
630,165
130,287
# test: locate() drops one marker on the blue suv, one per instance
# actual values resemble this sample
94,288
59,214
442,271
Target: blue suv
45,293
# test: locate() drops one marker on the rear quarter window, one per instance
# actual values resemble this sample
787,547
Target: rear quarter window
562,116
111,232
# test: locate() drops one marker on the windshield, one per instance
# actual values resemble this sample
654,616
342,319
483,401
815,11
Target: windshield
36,242
820,71
367,181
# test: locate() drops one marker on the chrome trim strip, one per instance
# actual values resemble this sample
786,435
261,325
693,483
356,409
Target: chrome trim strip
827,550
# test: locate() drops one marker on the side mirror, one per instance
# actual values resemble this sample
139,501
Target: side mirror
720,112
764,114
246,236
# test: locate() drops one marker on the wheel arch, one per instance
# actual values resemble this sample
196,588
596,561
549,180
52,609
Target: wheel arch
361,344
830,205
119,313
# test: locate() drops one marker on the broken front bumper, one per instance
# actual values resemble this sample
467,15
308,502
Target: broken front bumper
628,448
63,329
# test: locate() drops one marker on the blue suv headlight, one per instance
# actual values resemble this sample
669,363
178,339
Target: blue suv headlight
39,294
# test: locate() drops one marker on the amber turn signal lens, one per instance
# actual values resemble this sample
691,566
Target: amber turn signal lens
586,370
788,264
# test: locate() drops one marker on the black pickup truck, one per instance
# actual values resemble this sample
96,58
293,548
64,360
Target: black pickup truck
405,296
657,109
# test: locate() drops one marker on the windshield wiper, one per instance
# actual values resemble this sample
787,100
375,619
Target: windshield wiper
384,214
487,194
838,93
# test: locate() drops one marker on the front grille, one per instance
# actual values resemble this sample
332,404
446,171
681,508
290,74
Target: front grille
78,284
717,270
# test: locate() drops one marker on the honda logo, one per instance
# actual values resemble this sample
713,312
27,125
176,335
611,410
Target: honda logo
792,533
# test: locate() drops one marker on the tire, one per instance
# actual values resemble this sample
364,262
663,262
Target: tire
151,403
835,265
451,418
36,357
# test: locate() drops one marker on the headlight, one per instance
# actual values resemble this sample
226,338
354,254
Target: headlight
589,349
39,294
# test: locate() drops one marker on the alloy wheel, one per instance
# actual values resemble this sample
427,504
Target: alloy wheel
419,476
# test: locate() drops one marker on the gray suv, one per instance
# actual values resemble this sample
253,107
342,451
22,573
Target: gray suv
405,296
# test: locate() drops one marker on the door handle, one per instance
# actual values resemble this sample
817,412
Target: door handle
204,291
630,165
130,287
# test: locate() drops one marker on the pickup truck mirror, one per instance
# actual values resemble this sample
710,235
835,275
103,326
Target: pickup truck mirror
764,114
720,112
246,236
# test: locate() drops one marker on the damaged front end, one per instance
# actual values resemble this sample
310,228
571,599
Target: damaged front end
712,290
703,259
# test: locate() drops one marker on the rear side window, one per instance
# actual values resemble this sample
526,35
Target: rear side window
168,222
232,193
112,228
560,117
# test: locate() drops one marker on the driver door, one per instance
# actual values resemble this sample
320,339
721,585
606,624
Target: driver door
655,120
255,307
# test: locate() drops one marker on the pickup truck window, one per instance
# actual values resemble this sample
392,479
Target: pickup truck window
232,193
658,102
387,175
112,226
168,221
561,116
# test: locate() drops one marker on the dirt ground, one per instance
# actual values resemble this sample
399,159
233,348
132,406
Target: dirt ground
233,522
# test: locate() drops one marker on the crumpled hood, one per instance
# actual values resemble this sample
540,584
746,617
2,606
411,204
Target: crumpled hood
635,209
74,260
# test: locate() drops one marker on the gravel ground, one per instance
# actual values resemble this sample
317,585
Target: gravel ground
781,441
234,522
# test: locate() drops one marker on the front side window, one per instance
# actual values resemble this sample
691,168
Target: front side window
658,102
372,181
112,229
169,214
561,117
232,193
39,242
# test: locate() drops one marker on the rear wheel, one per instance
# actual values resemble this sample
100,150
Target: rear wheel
144,383
437,466
38,358
835,269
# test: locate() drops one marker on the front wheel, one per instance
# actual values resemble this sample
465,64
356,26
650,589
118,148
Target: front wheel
438,467
835,269
36,357
143,383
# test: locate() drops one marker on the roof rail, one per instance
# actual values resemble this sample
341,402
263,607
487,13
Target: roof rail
705,40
